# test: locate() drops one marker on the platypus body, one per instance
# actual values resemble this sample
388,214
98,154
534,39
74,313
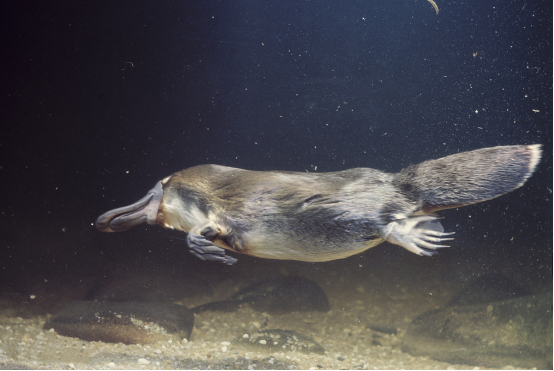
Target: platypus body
323,216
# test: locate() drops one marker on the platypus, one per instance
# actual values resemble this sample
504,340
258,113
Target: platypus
318,217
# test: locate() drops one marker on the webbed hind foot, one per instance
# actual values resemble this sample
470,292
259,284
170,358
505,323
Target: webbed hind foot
418,234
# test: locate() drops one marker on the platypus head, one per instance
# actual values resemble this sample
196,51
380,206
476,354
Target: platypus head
123,218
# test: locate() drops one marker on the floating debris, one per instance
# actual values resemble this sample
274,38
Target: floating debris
434,6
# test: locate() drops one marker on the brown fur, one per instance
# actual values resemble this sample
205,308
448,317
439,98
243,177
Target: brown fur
327,216
324,216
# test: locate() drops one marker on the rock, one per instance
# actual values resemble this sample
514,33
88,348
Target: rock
275,296
128,323
515,332
279,341
486,289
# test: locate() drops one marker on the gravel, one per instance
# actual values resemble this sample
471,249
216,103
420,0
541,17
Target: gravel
371,308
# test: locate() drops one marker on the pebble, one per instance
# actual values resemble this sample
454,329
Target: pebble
111,365
143,361
281,340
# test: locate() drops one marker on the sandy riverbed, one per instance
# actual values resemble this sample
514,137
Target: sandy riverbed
367,301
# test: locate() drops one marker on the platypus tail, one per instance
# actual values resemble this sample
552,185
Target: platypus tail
468,177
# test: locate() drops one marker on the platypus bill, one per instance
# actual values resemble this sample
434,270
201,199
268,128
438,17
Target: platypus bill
323,216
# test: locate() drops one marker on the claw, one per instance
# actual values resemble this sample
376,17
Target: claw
431,232
422,252
419,234
435,239
428,245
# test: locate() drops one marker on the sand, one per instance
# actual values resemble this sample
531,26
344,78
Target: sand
369,302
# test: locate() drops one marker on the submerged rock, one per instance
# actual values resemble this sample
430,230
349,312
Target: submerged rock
516,332
279,341
128,323
486,289
277,295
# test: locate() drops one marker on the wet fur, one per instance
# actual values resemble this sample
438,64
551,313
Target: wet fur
327,216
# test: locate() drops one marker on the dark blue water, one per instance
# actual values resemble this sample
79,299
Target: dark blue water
101,100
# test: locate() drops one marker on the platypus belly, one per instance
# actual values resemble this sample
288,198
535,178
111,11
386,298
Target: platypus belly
277,215
322,216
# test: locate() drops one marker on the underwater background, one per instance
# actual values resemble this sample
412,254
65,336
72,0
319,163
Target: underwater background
102,99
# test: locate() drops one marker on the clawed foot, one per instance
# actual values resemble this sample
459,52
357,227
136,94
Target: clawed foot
419,234
204,249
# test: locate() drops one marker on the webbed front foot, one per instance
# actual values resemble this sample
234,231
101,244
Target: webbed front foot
418,234
203,248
